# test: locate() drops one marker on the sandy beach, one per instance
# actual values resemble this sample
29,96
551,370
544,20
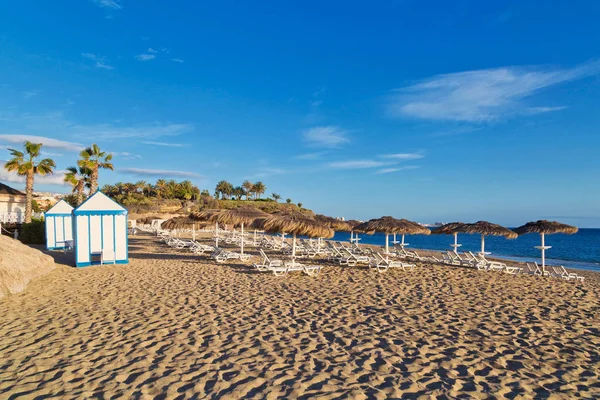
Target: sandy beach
173,325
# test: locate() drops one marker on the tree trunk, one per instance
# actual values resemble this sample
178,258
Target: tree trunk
94,180
80,187
29,193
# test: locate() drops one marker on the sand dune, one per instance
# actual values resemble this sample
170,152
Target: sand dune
171,325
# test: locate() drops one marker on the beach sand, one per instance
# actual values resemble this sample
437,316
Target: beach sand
172,325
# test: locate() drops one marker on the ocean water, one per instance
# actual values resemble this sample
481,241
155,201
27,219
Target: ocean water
580,251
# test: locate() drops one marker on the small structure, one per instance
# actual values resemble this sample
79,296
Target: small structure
100,229
59,226
12,205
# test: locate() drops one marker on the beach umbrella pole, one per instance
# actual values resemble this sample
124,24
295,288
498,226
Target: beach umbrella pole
387,245
217,235
543,248
351,236
403,244
194,232
456,245
294,249
242,242
483,245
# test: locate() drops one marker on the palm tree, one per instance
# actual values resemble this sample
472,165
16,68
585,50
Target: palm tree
248,187
289,201
238,192
24,163
94,159
139,186
78,178
300,205
160,187
224,188
259,188
275,197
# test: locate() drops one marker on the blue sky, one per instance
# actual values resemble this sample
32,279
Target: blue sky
428,110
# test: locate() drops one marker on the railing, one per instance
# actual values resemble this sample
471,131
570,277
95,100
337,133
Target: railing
16,217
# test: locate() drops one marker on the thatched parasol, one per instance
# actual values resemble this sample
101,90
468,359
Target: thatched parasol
177,223
453,228
240,216
296,224
544,227
485,228
147,220
334,223
390,225
208,216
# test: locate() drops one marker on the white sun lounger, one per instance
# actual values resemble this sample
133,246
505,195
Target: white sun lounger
382,264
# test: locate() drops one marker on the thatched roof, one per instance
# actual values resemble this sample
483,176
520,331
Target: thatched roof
300,224
546,227
206,215
240,215
449,229
487,228
353,223
390,225
178,223
147,220
334,223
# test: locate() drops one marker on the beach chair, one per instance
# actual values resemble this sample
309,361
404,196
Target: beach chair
282,270
266,262
560,272
382,264
531,268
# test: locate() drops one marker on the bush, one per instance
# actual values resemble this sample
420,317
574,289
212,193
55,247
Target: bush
34,232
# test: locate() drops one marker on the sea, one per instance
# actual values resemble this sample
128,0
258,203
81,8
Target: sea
580,250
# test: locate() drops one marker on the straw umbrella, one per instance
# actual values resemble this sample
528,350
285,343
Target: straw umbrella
336,224
177,223
390,225
453,228
544,227
240,216
296,224
485,228
208,216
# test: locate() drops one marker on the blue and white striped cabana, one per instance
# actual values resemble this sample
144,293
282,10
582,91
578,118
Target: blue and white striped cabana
100,226
59,226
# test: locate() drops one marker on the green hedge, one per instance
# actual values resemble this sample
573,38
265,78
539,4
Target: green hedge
33,232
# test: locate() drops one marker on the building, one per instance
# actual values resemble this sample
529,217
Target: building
59,226
100,232
12,205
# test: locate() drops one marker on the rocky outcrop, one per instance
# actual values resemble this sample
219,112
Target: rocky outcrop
19,264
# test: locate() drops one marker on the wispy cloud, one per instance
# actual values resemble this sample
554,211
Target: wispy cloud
482,95
266,172
126,155
177,60
112,4
159,173
310,156
326,136
47,142
151,50
145,57
99,61
403,156
29,94
164,144
357,164
108,131
390,170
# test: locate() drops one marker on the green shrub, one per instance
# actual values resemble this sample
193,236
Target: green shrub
34,232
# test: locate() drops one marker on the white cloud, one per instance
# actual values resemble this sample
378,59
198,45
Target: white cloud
326,136
159,173
46,142
151,50
482,95
165,144
403,156
107,131
310,156
177,60
145,57
29,94
126,155
113,4
57,178
357,164
99,61
390,170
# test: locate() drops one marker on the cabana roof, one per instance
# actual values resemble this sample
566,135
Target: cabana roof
60,208
99,203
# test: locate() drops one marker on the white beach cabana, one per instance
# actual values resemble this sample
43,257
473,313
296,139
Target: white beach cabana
59,226
100,230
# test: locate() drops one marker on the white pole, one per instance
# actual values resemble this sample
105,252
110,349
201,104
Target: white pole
543,255
356,238
395,241
387,243
402,244
242,242
351,236
282,239
456,242
217,234
294,249
482,245
255,237
194,232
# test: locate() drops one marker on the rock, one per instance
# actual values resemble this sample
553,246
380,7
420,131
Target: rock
19,264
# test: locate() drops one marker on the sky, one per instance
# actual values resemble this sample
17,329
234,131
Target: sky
426,110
